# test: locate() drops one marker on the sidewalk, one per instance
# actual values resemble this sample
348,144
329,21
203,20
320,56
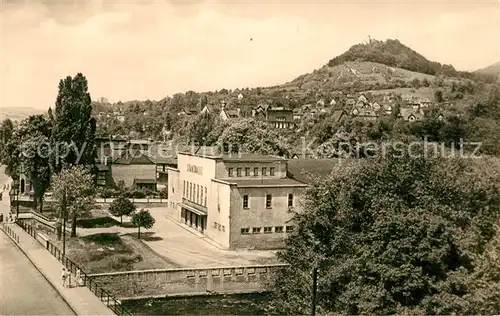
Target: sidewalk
80,299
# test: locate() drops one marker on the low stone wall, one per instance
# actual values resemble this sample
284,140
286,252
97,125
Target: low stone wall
134,200
187,281
28,201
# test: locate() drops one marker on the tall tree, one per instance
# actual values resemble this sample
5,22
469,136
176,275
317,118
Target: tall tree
251,136
74,128
142,219
6,131
74,193
34,134
201,129
9,149
400,234
122,206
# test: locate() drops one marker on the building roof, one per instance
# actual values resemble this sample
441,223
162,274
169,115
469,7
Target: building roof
284,182
337,115
407,112
140,141
119,138
144,181
214,153
367,113
165,160
137,158
233,113
279,109
251,158
210,108
304,170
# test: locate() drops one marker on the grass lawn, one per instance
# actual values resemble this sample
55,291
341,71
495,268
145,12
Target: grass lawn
109,252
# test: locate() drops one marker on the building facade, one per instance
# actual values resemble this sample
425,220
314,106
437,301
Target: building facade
238,201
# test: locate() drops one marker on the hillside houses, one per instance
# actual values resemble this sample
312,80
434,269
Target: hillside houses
278,117
372,107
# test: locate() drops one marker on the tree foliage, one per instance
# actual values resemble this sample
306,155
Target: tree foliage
34,138
204,129
122,206
73,124
74,193
142,219
395,235
252,136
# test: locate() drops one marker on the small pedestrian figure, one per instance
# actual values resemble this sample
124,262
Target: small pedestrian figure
68,278
63,277
78,277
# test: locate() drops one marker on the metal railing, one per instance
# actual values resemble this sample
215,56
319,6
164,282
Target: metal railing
6,228
104,295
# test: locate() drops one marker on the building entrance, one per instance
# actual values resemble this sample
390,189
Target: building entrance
196,221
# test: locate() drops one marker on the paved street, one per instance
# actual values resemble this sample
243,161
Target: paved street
23,290
186,249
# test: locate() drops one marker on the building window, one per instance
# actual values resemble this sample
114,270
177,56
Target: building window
205,196
289,229
215,224
264,171
238,172
245,230
278,229
184,189
269,200
256,230
245,201
230,172
290,199
201,196
255,171
271,171
190,197
247,172
198,194
223,228
268,230
218,226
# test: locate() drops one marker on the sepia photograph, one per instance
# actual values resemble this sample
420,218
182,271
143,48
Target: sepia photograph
249,157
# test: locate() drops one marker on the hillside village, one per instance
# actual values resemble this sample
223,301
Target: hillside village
272,189
322,107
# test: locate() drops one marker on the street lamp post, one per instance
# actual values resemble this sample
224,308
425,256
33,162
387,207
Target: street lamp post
64,224
314,290
18,188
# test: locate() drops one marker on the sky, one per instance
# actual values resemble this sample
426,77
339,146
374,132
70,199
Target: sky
131,50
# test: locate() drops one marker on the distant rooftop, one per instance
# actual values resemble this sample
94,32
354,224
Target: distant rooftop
135,159
251,158
214,153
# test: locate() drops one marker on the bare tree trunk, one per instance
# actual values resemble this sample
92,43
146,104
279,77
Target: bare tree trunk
73,226
139,232
41,204
58,230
